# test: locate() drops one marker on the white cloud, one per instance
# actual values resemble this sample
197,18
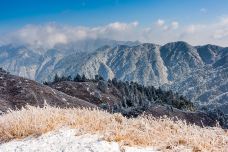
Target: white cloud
161,32
118,26
160,23
165,26
174,25
214,33
49,35
221,32
192,29
136,23
203,10
196,34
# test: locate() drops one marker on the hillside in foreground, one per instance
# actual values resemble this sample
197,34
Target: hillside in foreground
162,134
17,92
132,100
154,118
129,99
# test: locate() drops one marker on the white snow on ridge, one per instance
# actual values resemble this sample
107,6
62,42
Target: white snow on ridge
67,140
199,73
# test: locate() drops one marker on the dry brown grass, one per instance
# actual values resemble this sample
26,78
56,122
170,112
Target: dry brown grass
143,131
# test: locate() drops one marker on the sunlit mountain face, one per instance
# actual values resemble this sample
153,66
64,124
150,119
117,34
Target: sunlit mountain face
197,72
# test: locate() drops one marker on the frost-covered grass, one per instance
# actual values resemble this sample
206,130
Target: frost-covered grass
162,133
67,140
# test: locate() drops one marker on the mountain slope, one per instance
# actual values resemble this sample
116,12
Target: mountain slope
198,72
113,99
17,92
38,63
192,71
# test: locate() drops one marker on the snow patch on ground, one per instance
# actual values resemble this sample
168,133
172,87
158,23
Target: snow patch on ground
53,91
67,140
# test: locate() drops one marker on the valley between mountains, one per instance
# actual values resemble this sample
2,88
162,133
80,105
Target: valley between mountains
198,72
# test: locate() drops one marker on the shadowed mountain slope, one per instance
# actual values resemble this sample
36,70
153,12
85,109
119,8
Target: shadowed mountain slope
16,92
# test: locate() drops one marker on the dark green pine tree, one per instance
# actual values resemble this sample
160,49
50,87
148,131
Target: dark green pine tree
78,78
56,78
83,78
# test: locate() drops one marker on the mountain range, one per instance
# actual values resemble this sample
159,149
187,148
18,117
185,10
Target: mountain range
131,100
198,72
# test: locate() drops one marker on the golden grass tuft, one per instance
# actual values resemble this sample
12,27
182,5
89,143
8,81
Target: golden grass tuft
162,133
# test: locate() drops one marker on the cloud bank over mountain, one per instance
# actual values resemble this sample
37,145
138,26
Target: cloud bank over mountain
161,31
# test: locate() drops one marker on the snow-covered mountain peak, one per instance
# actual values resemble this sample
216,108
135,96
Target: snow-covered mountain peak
198,72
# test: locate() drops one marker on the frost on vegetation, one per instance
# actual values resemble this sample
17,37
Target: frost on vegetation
163,133
67,140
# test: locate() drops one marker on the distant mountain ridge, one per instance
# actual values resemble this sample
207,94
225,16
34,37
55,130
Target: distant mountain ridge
198,72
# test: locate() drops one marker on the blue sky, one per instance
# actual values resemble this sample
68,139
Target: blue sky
16,14
98,12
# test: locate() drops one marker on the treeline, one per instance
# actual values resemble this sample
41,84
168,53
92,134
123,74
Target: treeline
3,71
133,94
136,94
77,78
